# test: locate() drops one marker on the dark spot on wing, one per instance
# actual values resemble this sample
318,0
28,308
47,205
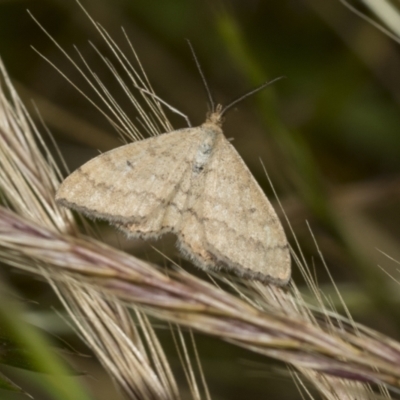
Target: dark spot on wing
197,168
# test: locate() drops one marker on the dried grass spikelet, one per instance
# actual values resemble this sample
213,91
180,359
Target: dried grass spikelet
333,354
131,354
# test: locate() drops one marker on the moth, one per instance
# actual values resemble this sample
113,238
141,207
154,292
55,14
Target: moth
191,182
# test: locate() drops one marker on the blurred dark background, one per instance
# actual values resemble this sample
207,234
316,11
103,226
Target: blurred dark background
328,134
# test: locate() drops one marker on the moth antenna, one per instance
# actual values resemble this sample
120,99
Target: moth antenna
203,78
248,94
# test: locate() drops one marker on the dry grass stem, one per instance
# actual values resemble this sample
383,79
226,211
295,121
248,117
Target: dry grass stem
138,366
325,345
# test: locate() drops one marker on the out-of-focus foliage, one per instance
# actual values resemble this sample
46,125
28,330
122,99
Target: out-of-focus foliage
328,134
